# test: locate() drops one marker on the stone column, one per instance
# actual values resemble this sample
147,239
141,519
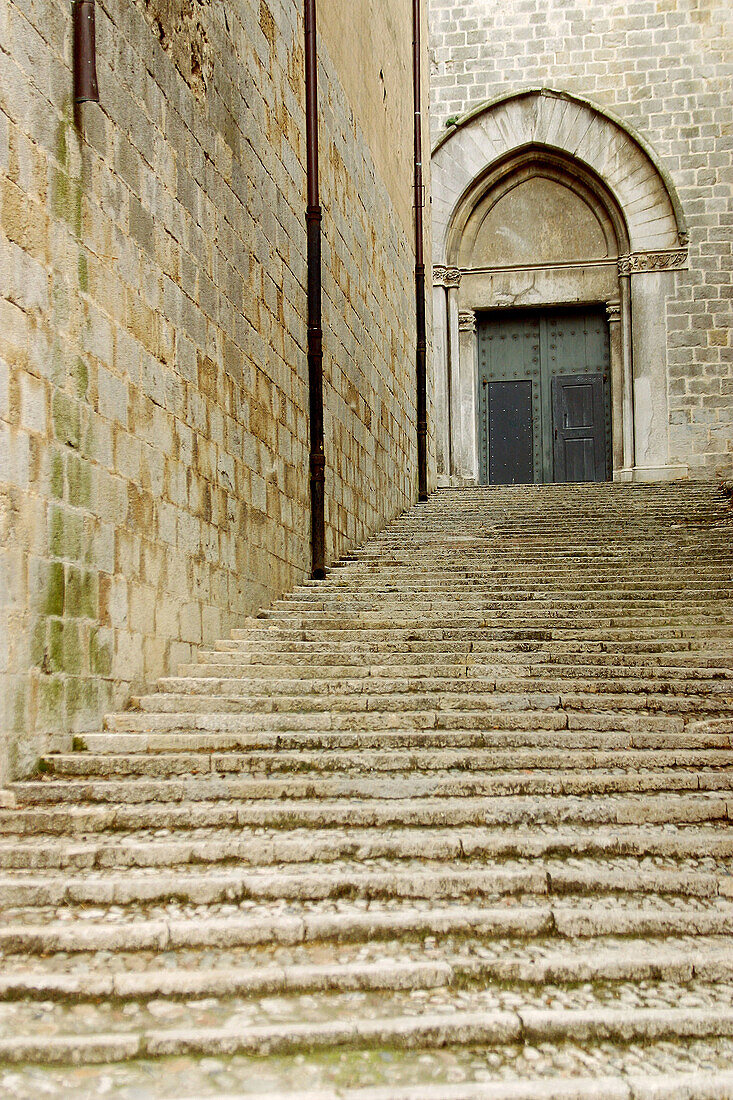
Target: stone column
613,313
467,451
453,280
440,375
629,448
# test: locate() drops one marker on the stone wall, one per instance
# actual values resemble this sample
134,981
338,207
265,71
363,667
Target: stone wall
664,68
153,380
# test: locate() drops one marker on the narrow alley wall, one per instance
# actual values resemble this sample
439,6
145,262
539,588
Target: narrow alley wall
153,379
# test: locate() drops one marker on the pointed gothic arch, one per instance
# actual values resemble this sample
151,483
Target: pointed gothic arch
542,199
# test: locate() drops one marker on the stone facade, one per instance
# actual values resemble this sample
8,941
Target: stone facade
647,87
153,381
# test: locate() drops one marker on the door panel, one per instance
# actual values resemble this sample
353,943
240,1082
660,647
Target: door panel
579,428
510,432
509,352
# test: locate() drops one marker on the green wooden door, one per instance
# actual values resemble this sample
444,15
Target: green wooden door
525,358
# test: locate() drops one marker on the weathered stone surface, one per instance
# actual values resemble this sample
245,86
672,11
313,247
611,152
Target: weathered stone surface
153,382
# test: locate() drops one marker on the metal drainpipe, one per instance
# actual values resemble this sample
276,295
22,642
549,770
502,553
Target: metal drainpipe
315,328
421,353
86,89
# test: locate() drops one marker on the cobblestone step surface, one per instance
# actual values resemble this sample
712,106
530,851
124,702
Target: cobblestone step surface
455,821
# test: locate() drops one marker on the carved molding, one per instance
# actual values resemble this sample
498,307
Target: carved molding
613,312
466,321
446,276
639,262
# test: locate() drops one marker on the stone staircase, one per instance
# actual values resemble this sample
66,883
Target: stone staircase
454,822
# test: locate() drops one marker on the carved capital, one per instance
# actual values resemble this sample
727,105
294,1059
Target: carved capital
466,321
613,312
446,276
639,262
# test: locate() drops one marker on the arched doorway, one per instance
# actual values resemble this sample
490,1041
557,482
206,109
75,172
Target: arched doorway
559,237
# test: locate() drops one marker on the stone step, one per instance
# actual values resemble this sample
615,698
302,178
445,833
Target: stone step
530,584
389,785
721,652
389,965
58,816
218,844
713,786
668,737
479,679
158,929
453,665
478,1027
718,635
600,550
384,881
385,705
385,606
703,1083
604,627
370,761
402,723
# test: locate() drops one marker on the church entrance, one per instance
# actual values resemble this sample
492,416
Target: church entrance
544,396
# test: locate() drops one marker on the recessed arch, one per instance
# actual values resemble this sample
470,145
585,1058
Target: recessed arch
529,162
567,125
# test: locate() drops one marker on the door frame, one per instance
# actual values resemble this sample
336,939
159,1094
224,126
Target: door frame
458,441
543,451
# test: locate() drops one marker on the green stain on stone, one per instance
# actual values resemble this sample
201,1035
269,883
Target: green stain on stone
56,476
100,654
62,145
66,534
66,190
38,644
82,594
83,272
79,478
65,646
66,199
51,701
55,589
81,696
19,719
80,377
66,415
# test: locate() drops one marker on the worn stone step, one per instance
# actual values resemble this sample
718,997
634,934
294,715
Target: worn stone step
478,680
605,737
715,636
155,928
391,760
389,1022
404,964
393,613
703,1084
346,785
385,880
57,815
218,844
457,666
490,626
477,1028
387,705
720,651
